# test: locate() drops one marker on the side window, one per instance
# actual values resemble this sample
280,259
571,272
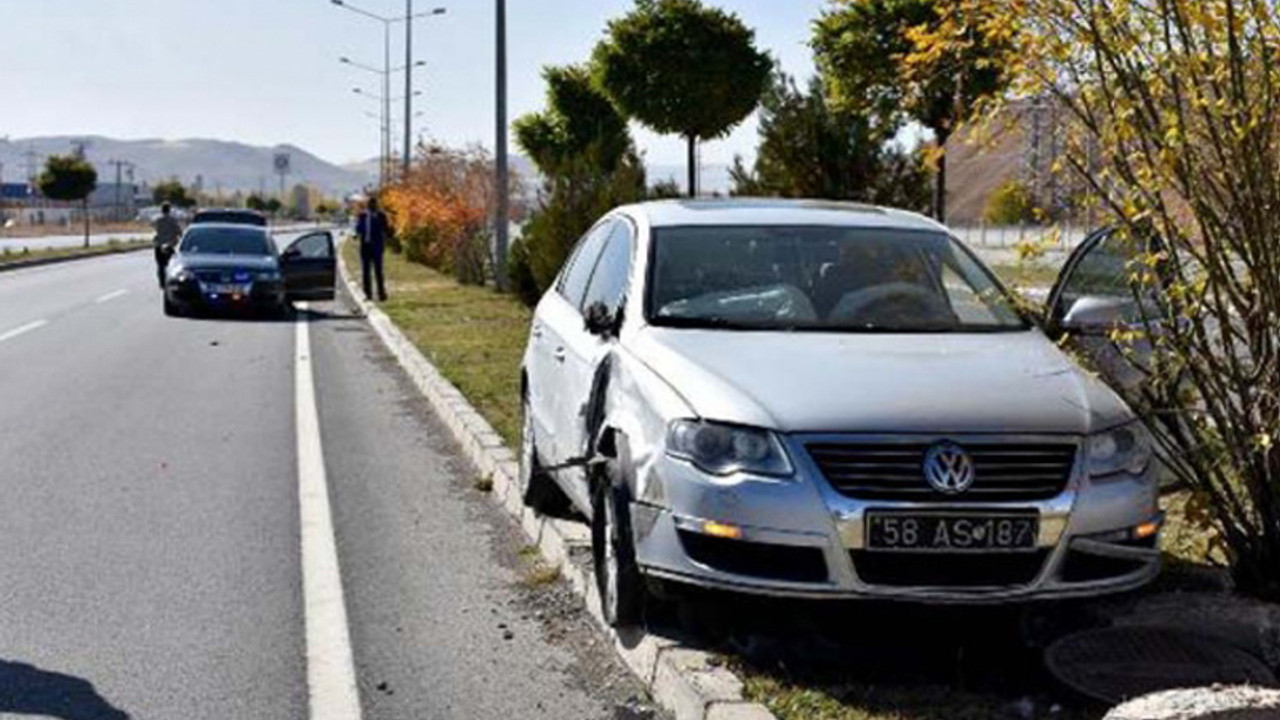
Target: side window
609,283
313,247
573,283
1102,271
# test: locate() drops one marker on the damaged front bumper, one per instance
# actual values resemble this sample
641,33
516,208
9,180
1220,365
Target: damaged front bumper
799,537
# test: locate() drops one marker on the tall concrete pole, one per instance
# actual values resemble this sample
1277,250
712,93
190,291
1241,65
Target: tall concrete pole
387,150
408,85
502,183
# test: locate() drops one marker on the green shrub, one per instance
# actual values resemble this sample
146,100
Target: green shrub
1011,204
471,258
420,245
572,204
520,274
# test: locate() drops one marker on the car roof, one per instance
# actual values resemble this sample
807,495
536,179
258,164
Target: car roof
228,226
237,211
771,211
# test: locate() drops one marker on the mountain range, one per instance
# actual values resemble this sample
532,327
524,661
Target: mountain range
217,164
229,166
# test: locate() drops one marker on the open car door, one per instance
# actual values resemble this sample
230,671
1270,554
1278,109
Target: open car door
1094,297
309,267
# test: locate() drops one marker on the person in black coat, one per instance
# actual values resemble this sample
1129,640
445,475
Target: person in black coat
372,228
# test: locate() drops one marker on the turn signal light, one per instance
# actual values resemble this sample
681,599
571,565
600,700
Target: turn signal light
722,530
1146,530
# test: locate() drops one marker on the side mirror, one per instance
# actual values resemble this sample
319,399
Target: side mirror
600,321
291,254
1096,315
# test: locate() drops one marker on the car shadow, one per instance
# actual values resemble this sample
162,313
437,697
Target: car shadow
287,317
28,690
911,659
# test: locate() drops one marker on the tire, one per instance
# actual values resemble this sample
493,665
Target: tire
621,586
170,309
537,488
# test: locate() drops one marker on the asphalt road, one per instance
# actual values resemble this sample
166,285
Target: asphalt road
151,548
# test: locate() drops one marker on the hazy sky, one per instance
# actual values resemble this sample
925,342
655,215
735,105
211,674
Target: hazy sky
266,71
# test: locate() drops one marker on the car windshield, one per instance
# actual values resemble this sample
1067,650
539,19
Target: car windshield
822,278
226,241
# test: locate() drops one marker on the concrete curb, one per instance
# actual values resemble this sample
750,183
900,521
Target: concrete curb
682,680
21,264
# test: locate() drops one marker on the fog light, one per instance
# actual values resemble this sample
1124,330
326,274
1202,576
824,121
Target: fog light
722,530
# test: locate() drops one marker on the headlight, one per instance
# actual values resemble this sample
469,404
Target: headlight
180,274
721,449
1125,449
269,275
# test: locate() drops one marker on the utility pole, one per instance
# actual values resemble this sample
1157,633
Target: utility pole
119,178
120,165
502,182
408,87
387,148
31,158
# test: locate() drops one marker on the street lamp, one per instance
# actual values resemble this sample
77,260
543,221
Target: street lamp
387,22
386,108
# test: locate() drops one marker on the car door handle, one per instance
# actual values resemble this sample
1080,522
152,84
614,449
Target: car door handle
536,332
560,354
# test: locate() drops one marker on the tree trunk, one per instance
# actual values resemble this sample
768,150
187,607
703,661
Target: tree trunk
939,208
84,206
693,165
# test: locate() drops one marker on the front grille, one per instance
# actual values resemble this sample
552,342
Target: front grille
211,276
762,560
893,471
947,569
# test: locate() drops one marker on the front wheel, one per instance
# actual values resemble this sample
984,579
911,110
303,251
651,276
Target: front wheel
618,578
170,308
537,488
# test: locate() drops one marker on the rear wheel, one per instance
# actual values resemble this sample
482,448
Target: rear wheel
537,488
622,589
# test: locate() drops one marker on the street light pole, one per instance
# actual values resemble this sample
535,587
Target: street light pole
387,22
386,102
408,78
502,211
408,86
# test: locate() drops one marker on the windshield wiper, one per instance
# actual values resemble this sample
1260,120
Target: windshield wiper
710,323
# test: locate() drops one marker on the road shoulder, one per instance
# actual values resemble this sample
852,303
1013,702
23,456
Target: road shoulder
688,683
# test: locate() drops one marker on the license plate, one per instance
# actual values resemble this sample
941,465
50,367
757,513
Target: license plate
217,289
951,533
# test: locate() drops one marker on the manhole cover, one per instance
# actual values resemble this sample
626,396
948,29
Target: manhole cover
1115,664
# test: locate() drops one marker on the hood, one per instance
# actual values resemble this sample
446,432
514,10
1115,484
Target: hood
1017,382
227,262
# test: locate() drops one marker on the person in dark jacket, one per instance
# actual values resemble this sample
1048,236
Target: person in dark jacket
168,233
372,229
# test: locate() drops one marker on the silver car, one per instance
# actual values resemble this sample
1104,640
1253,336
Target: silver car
825,400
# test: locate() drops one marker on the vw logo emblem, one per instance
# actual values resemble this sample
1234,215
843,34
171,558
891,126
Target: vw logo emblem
948,468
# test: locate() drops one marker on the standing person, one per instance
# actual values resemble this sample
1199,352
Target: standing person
168,233
372,229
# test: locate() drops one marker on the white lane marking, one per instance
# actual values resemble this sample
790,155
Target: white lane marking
111,296
331,676
23,330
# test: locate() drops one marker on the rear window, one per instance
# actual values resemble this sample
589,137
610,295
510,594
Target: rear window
230,216
226,241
